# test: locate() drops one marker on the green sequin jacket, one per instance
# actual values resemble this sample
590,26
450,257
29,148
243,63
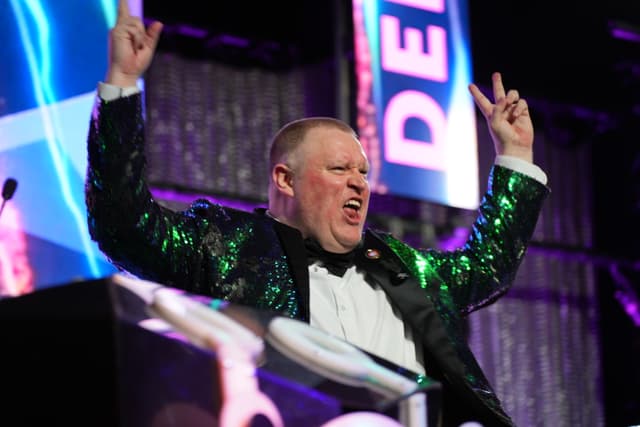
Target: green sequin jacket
248,258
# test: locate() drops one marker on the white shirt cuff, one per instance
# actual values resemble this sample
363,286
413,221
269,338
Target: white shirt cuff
110,92
522,166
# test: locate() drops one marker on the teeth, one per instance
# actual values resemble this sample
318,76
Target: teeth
353,204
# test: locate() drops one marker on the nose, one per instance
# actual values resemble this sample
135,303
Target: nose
357,181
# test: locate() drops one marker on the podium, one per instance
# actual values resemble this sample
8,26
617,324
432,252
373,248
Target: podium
78,354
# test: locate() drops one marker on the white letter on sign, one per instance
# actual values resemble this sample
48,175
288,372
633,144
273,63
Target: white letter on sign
411,152
412,60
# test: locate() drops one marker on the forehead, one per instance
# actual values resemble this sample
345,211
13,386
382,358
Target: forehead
326,142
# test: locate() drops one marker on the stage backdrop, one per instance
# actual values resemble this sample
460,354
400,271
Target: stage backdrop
54,53
415,117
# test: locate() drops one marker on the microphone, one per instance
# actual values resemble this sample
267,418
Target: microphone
8,189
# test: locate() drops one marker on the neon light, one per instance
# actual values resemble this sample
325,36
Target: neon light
462,148
109,9
45,97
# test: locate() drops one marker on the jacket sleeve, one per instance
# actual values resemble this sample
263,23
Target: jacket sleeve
135,232
484,268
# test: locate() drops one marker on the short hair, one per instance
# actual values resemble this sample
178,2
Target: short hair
291,135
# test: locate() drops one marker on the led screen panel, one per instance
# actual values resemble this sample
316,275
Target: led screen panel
416,117
54,53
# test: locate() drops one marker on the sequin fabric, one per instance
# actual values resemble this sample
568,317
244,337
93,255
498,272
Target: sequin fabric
464,280
208,249
236,256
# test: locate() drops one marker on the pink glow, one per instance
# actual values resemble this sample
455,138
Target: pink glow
243,399
16,274
412,59
405,151
428,5
367,110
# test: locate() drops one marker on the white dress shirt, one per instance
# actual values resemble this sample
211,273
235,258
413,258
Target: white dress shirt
359,311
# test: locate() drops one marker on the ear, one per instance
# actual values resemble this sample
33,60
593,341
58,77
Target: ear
282,177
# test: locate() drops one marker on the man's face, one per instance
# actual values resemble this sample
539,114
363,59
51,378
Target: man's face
330,188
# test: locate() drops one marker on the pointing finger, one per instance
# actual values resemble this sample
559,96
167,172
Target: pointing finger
123,9
483,103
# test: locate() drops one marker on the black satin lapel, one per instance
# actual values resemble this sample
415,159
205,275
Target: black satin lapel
413,302
293,246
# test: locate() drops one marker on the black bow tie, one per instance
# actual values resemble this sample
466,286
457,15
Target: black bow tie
337,264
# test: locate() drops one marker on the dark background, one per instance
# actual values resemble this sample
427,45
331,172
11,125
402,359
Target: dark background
560,54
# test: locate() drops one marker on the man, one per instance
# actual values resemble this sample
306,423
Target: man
401,303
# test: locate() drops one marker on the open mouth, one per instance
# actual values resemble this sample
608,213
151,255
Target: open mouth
353,205
352,209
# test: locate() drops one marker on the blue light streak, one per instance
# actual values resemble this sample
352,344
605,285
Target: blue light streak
37,49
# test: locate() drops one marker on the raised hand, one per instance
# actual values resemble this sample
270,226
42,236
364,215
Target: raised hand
131,47
508,119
